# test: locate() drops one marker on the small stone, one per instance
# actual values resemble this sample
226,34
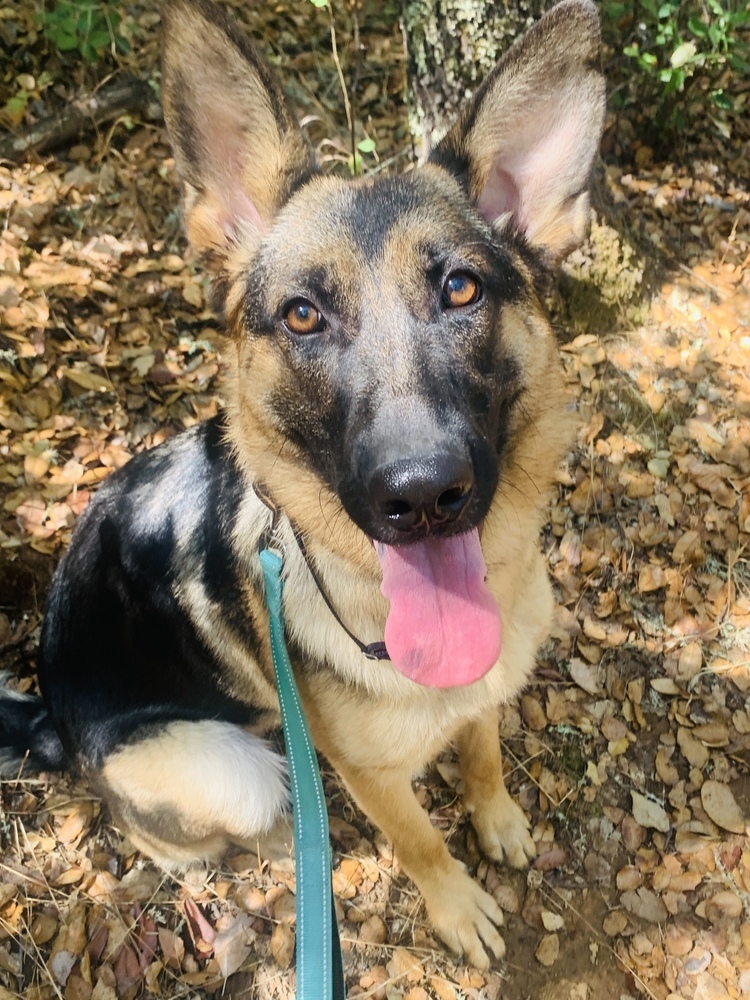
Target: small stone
615,923
552,921
533,713
548,950
373,930
506,898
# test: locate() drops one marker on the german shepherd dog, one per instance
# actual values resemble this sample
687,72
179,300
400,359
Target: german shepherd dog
397,414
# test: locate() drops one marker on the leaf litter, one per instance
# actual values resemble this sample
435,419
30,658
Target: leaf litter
630,751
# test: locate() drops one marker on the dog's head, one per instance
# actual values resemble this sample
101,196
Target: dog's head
392,356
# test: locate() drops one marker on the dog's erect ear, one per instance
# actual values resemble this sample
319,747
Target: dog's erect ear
238,150
526,143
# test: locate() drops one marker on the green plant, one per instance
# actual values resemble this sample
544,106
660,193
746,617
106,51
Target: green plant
689,53
86,26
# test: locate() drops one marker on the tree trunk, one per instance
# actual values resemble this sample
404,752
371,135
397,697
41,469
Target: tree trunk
451,46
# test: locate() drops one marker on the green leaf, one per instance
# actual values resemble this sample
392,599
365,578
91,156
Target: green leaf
16,106
99,39
683,54
675,82
698,28
65,42
722,100
738,64
366,146
319,3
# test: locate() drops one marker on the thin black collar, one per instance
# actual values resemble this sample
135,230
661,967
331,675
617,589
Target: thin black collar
372,650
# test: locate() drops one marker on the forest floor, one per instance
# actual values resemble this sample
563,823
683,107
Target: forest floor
630,751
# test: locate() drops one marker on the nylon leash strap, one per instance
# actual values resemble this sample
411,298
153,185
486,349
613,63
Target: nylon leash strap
320,974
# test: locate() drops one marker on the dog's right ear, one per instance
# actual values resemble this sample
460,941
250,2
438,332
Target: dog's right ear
237,146
525,145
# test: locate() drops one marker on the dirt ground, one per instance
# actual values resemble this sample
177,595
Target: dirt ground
631,749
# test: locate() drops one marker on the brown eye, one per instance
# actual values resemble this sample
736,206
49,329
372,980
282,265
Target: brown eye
460,289
302,317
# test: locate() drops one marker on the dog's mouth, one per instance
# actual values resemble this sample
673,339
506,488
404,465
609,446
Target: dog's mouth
443,628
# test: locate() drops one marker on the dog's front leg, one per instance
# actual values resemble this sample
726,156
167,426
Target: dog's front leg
500,823
461,912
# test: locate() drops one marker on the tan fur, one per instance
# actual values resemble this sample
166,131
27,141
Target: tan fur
187,792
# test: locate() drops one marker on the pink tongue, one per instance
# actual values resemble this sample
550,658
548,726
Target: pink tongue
444,627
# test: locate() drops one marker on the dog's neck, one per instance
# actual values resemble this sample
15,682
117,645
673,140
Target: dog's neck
373,650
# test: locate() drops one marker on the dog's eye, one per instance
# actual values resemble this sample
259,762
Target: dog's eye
460,289
302,317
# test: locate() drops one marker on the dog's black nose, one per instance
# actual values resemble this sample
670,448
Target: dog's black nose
417,494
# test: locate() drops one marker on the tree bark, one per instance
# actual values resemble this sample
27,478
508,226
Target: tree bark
451,45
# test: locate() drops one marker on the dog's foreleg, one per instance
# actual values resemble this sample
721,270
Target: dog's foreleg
461,912
500,823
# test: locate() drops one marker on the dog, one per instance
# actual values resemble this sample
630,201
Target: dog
396,417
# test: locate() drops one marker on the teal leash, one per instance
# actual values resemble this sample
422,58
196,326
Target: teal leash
320,973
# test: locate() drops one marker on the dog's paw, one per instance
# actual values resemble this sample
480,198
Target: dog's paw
503,831
466,918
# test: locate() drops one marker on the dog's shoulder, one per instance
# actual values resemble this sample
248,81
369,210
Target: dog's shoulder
160,500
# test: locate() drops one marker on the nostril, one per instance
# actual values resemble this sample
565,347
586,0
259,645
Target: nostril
453,499
395,508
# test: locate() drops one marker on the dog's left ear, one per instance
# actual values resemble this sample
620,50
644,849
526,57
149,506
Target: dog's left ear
525,145
238,150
